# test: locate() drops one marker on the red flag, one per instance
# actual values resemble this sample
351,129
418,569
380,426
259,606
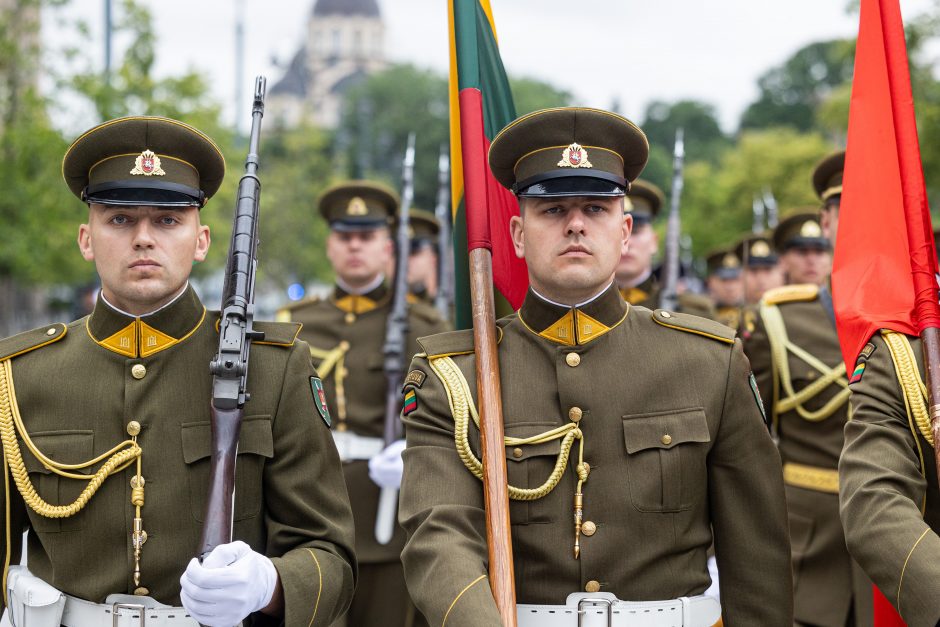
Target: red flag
884,268
885,263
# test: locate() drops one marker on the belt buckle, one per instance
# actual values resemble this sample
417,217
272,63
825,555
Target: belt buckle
115,616
607,602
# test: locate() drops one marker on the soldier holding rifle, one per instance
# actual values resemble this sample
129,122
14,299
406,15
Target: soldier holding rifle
108,466
347,333
633,437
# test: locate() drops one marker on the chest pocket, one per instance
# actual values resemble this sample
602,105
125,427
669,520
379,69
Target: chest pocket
528,466
67,447
666,468
255,445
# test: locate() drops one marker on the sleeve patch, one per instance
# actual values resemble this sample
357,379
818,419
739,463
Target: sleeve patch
861,363
415,378
319,400
760,403
411,402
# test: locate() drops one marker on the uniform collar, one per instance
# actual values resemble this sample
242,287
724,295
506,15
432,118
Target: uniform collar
639,293
573,325
143,336
359,303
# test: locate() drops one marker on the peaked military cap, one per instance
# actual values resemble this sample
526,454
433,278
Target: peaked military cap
800,230
756,251
568,151
724,263
144,161
358,205
827,177
425,227
644,200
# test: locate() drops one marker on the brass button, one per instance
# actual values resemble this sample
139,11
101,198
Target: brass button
133,428
665,314
573,359
666,439
350,318
592,586
588,528
51,331
341,427
517,452
138,371
142,592
575,413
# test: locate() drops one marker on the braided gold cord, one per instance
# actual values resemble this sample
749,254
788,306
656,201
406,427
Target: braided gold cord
330,360
10,422
915,392
462,408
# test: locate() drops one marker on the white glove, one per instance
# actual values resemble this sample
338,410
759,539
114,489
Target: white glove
231,583
713,590
385,469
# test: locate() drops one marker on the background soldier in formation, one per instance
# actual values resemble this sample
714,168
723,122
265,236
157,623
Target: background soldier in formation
346,332
134,375
795,354
805,253
725,286
659,475
423,256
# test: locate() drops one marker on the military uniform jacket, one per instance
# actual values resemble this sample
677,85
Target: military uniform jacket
890,501
809,435
349,330
649,292
78,386
675,447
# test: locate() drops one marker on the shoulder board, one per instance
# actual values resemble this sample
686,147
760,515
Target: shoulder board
791,293
283,314
31,340
452,343
694,324
278,333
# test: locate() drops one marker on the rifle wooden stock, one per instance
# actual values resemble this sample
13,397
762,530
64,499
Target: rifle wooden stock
495,480
217,528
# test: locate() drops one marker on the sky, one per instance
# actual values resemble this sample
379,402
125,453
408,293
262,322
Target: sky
602,51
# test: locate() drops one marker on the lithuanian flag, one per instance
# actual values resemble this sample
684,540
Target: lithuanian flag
480,106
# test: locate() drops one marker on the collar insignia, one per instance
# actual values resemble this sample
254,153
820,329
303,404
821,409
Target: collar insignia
147,164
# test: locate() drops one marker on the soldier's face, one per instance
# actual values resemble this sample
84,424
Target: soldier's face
638,258
759,279
726,291
829,219
806,265
422,269
143,254
358,257
571,245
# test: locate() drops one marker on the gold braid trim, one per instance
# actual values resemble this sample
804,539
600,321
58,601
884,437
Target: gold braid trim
779,345
119,458
334,360
915,392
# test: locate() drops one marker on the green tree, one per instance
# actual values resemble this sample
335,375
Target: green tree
529,94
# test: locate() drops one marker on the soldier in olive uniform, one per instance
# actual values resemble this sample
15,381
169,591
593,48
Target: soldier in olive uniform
805,254
795,354
661,466
346,333
725,286
635,278
130,384
423,256
761,266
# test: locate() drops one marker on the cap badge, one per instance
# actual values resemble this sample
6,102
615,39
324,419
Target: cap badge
148,164
810,229
574,156
760,249
356,207
730,261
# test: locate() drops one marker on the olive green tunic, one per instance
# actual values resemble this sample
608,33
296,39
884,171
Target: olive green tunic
678,452
354,327
78,386
828,586
890,501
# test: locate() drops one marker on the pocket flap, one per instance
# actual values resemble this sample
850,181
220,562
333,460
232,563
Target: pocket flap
665,429
65,447
522,452
254,438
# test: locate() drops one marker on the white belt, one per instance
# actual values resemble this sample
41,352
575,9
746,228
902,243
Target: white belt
354,447
124,611
603,609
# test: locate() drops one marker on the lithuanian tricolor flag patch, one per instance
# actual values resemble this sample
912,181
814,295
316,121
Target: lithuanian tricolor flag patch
858,372
411,402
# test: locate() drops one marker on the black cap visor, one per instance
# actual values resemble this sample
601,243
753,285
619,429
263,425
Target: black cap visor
145,194
557,183
808,243
727,273
352,225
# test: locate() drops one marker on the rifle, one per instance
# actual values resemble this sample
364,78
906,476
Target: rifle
757,208
670,293
229,367
445,253
771,204
396,332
